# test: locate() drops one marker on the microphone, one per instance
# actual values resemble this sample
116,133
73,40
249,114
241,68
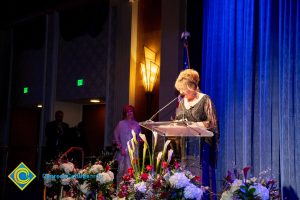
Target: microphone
179,97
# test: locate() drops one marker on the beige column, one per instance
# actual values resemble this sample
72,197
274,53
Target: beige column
133,52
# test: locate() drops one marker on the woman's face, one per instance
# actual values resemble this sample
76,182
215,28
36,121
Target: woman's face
129,114
190,94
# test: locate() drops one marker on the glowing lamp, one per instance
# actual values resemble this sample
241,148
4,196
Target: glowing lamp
149,70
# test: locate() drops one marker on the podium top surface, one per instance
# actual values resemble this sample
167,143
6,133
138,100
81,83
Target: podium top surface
177,128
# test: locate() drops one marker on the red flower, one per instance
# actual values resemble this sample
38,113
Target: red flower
157,184
144,176
100,197
107,168
130,171
126,178
164,195
122,194
177,165
149,167
229,177
124,187
245,171
270,182
164,164
197,179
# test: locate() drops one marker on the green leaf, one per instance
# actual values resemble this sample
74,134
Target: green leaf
252,190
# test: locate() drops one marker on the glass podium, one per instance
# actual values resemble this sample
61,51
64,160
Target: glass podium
185,139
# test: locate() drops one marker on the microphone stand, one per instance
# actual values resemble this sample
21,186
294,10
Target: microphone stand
152,117
183,121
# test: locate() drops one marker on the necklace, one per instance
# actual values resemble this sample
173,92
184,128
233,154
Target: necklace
193,102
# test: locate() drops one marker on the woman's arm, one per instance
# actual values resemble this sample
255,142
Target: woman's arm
117,139
212,121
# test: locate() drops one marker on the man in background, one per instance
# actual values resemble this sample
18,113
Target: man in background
57,133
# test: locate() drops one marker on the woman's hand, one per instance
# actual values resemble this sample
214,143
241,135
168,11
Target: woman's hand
122,151
201,124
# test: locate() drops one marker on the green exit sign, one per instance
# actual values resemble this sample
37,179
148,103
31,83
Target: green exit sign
80,82
25,90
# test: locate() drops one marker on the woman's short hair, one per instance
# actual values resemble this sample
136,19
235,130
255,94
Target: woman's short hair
187,79
127,108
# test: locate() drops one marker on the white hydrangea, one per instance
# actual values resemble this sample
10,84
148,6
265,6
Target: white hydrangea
65,181
189,174
141,187
67,167
96,169
67,198
48,182
236,185
261,191
191,191
54,167
227,195
179,180
74,181
103,178
167,176
111,174
84,188
82,171
118,198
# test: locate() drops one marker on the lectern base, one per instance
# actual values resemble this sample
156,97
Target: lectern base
192,164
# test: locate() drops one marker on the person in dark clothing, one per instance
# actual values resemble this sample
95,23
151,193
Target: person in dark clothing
80,136
57,133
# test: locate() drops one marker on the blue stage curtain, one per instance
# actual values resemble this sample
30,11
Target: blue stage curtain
251,69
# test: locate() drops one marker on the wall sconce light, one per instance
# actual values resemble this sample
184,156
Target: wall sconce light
149,69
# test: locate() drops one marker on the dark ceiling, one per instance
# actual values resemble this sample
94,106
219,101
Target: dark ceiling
15,11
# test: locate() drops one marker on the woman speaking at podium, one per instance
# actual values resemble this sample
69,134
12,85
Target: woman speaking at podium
198,107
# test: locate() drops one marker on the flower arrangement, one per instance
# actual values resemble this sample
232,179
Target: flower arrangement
96,180
160,178
60,177
239,187
154,178
65,181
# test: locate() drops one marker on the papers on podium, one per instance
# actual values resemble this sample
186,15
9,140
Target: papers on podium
177,128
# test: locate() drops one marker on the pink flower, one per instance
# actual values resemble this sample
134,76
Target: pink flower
177,165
